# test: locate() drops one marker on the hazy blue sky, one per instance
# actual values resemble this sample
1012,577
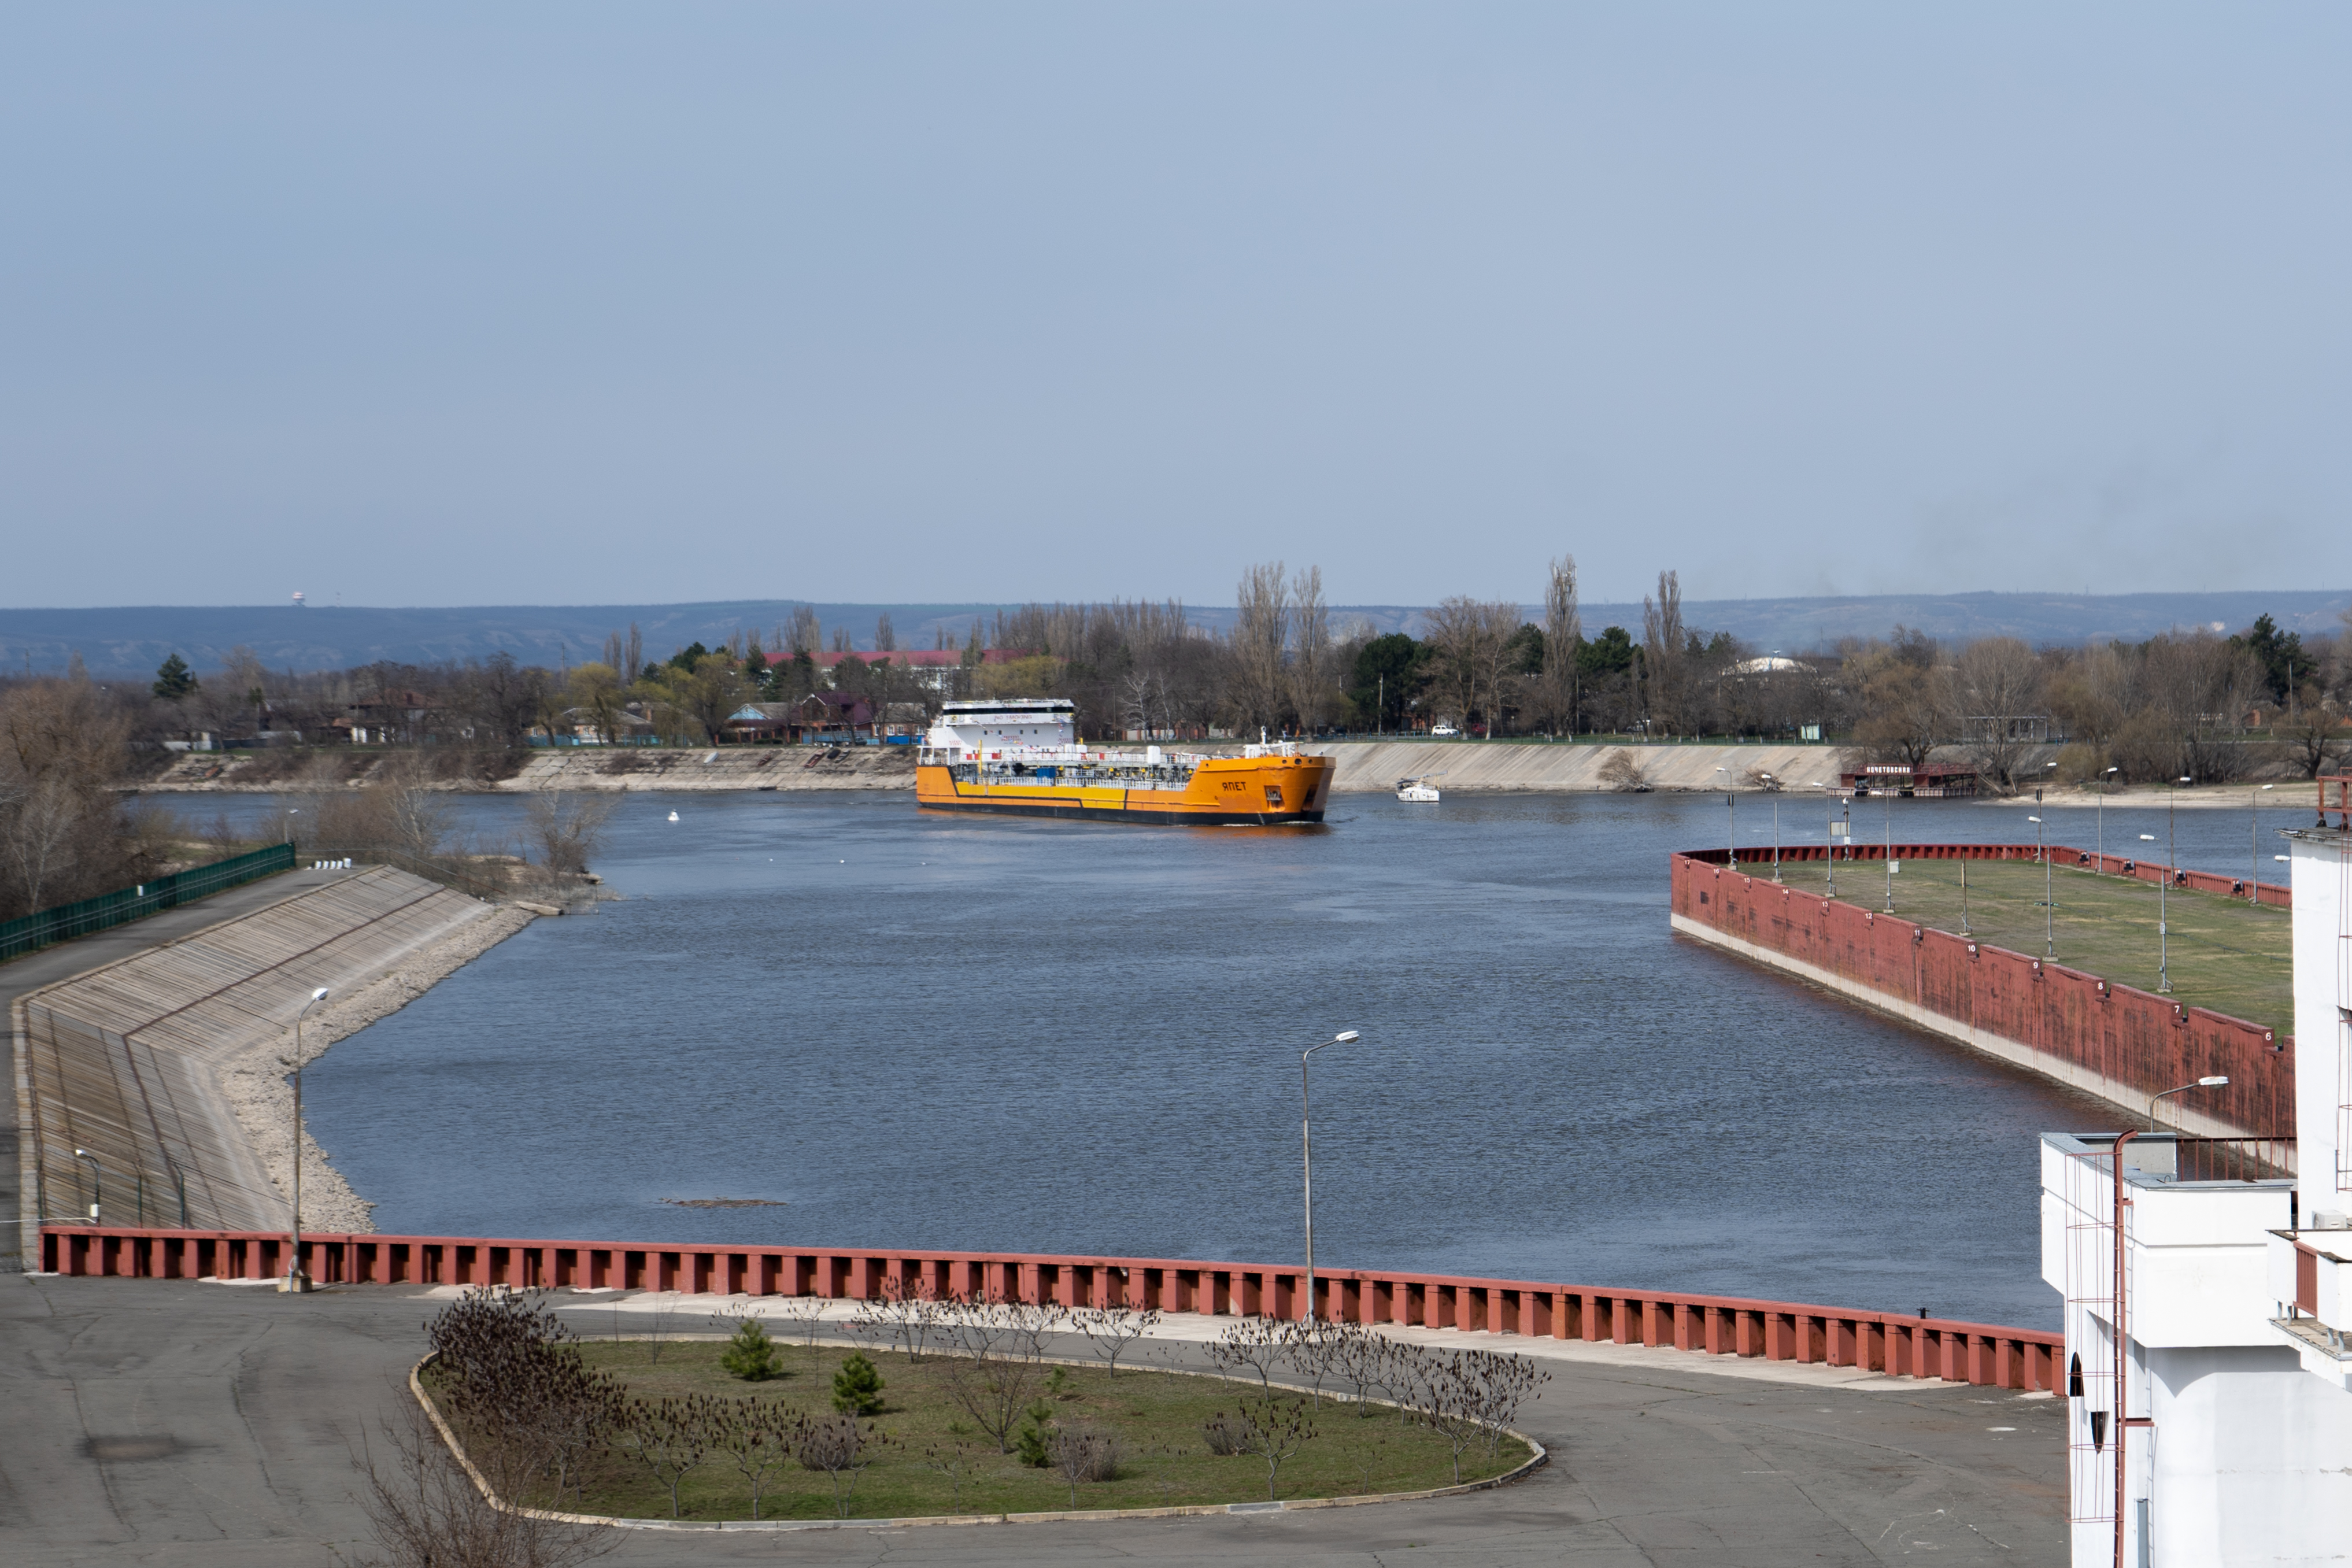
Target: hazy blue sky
871,302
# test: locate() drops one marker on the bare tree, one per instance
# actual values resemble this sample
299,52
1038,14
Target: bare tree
841,1447
999,1363
1563,635
425,1511
566,828
671,1436
1622,772
1312,683
1663,658
1261,632
1111,1330
1997,691
1470,637
757,1435
1083,1453
1273,1427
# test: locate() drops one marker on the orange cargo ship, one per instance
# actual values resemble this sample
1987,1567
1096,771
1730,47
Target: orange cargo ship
1020,757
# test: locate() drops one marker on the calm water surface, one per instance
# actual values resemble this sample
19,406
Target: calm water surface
943,1032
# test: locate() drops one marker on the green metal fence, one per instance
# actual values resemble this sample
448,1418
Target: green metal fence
18,937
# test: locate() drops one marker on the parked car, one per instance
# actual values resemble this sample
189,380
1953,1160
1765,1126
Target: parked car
1443,730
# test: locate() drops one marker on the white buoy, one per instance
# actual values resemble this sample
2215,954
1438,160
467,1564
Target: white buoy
673,816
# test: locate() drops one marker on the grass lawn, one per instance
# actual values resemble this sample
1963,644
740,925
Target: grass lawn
1157,1417
2226,955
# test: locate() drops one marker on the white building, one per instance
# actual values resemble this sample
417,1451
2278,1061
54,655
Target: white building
2229,1419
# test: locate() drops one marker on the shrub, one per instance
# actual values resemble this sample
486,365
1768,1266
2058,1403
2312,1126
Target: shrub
751,1355
1223,1435
1034,1442
857,1386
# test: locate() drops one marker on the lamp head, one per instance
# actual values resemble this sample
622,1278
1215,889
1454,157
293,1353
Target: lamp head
81,1155
2184,781
320,995
2032,819
2147,838
2212,1082
1344,1036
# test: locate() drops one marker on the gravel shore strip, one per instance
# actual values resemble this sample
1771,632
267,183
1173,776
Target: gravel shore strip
258,1085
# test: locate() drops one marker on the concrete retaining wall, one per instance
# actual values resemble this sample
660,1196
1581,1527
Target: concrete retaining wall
2113,1041
166,1064
1536,767
1713,1325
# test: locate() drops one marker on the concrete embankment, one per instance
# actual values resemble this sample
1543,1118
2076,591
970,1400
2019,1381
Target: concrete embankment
726,767
1536,767
2116,1042
168,1066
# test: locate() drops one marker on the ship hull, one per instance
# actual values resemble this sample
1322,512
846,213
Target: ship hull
1224,792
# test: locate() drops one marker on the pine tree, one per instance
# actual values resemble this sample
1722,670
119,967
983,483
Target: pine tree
857,1386
173,680
751,1355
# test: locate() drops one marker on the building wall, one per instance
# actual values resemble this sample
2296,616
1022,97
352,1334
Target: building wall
2321,865
2247,1459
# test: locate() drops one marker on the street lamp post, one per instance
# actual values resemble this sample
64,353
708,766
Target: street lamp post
1730,823
1774,785
1830,798
1890,853
2102,846
2255,843
2049,938
2123,1337
1306,1155
97,1181
2163,935
296,1280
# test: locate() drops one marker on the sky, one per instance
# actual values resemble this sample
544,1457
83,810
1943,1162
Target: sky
872,302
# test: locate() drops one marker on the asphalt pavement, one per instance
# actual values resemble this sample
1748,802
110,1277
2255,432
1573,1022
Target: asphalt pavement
200,1426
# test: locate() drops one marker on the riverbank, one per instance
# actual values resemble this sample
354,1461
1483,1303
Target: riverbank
155,1085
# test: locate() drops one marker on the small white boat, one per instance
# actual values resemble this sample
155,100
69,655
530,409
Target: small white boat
1418,789
673,816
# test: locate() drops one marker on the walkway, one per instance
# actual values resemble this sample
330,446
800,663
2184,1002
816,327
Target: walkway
205,1426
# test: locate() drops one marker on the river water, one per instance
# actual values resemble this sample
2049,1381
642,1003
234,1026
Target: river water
936,1032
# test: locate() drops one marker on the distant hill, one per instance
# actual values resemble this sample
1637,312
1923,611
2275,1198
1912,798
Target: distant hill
132,640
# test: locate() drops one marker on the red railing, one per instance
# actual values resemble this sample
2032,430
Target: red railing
1714,1325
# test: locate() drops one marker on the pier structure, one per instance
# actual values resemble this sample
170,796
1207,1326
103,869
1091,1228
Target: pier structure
2088,1031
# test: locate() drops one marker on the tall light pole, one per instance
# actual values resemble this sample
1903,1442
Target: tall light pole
2102,818
296,1280
2049,940
97,1181
1890,853
1306,1155
2163,932
1830,798
2254,841
1730,823
2123,1337
1773,785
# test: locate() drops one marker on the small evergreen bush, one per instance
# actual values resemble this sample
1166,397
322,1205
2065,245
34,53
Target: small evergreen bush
751,1355
1034,1442
857,1386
